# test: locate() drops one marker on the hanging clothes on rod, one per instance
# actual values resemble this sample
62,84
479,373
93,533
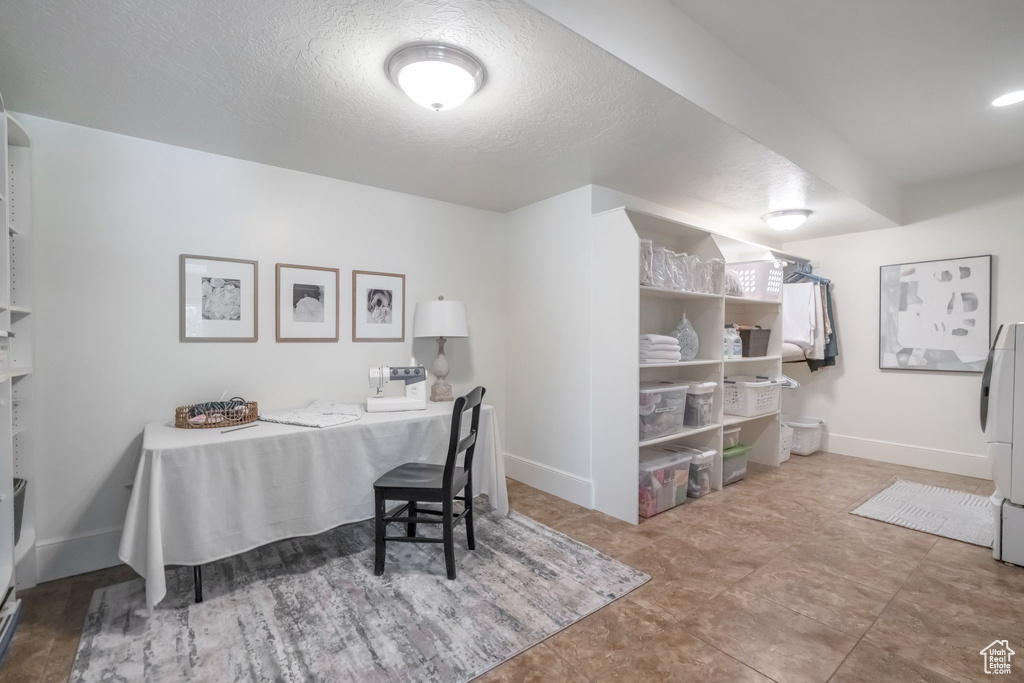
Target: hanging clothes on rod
808,318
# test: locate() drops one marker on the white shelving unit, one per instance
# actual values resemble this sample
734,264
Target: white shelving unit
622,310
16,382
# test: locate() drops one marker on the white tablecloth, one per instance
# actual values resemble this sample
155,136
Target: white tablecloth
200,495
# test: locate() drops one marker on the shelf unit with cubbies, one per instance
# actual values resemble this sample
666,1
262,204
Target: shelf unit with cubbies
622,310
16,387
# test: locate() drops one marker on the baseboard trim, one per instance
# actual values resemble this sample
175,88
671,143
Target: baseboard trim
57,558
571,487
953,462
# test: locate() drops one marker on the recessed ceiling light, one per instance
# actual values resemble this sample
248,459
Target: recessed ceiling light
436,76
1008,99
786,220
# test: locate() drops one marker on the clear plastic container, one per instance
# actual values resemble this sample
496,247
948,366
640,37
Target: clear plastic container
734,464
730,437
662,406
699,400
646,262
702,465
664,477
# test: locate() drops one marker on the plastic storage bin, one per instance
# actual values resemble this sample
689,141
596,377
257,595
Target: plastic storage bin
734,464
698,404
747,396
760,280
664,477
661,408
701,468
730,437
806,434
785,441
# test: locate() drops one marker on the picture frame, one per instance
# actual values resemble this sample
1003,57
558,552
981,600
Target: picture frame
307,303
935,315
219,299
378,306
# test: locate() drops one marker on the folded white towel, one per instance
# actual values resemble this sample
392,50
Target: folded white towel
661,357
658,347
658,339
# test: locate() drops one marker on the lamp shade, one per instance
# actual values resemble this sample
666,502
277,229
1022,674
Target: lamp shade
440,319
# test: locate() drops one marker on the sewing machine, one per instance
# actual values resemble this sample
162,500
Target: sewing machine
415,378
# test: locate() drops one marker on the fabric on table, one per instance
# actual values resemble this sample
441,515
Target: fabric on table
798,317
201,495
658,339
316,414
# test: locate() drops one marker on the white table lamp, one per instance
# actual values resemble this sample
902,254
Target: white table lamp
443,320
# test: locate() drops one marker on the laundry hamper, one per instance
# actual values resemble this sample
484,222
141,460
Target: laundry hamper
747,396
761,280
806,434
785,442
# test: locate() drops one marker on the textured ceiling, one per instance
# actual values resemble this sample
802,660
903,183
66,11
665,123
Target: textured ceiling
301,84
907,82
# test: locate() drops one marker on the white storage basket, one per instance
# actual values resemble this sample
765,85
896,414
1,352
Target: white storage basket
785,442
761,280
751,396
806,434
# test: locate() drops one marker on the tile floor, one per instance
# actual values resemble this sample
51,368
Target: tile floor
769,579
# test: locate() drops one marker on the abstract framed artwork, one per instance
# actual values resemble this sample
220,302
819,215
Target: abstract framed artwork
378,306
307,303
219,299
935,315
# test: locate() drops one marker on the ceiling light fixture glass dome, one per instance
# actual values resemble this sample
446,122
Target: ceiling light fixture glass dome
1008,99
790,219
434,75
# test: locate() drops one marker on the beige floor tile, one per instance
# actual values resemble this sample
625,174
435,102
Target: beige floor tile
770,638
944,642
868,664
834,601
624,642
539,664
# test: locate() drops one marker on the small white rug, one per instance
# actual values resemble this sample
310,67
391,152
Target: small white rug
943,512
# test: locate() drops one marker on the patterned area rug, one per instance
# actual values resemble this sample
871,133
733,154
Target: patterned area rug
310,609
943,512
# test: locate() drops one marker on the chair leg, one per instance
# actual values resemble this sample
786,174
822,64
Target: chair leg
378,531
470,540
449,537
197,578
410,528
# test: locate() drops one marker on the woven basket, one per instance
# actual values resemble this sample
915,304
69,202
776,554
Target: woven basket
755,342
250,412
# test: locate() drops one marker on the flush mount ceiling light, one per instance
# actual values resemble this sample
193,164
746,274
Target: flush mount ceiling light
786,220
434,75
1008,99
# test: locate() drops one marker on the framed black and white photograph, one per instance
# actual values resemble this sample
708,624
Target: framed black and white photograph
218,299
378,306
936,315
307,303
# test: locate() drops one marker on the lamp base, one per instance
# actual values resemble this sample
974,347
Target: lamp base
441,391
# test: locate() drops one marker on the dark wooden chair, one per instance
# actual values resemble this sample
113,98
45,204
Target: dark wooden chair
416,483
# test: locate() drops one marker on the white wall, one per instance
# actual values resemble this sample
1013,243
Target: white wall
548,387
113,213
920,418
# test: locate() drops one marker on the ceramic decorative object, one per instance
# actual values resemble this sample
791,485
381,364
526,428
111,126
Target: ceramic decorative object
687,336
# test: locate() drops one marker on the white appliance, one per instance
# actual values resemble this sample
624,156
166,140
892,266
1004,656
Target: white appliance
1002,418
415,378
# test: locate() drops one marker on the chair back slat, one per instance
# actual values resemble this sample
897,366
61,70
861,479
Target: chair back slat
457,445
